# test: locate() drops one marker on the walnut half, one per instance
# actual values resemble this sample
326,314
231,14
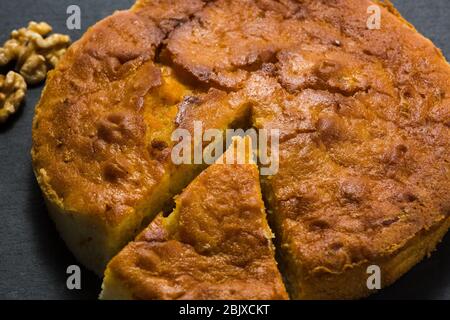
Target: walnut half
12,92
34,50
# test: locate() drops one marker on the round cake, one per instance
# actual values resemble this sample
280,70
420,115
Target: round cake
363,115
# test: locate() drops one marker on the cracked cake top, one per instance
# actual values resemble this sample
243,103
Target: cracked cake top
364,117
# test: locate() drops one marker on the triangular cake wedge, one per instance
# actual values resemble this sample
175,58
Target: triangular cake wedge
216,244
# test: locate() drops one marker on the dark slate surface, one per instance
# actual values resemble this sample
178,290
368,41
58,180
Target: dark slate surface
33,259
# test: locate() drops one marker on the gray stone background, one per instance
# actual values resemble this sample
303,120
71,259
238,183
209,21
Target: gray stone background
33,259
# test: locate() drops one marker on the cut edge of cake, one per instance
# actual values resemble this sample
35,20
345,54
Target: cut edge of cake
114,286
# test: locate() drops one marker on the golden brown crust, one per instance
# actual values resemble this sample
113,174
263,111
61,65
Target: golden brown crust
101,134
364,118
88,132
227,39
167,14
215,245
352,284
89,137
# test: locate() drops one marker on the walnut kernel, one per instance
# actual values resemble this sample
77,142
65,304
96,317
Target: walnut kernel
12,92
34,50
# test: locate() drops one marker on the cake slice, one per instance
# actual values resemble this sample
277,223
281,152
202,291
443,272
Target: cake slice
216,244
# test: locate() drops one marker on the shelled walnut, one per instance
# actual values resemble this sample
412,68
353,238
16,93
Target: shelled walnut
34,50
12,92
